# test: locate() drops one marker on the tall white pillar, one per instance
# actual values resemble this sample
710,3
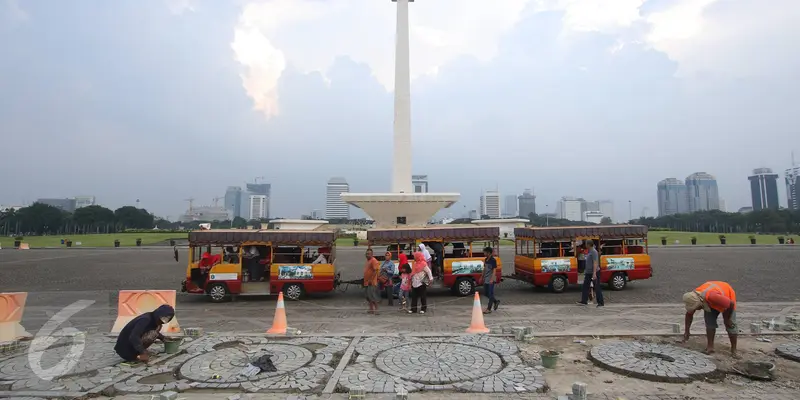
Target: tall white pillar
401,167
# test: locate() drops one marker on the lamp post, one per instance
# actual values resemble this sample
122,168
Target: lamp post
630,211
546,215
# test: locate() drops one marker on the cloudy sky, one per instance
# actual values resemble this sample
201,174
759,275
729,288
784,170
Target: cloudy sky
162,100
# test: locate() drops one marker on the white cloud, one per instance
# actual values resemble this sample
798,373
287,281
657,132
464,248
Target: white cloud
179,7
309,34
11,14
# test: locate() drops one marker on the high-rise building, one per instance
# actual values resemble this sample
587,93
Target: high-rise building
255,189
259,204
764,189
84,201
702,192
510,206
67,205
335,207
607,209
672,197
233,201
526,203
490,204
793,188
571,208
420,183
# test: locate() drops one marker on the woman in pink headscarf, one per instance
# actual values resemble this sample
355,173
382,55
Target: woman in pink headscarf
421,277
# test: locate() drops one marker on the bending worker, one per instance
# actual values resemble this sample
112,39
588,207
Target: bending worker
714,298
141,332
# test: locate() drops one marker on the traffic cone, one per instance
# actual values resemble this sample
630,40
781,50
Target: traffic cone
279,322
477,325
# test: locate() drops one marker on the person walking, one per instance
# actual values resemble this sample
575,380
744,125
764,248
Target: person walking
489,277
386,276
427,256
371,270
591,274
421,277
714,298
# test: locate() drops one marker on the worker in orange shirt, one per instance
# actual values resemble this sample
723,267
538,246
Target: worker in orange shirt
714,298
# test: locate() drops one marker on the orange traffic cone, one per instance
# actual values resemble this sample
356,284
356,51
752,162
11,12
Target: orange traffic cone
279,322
477,325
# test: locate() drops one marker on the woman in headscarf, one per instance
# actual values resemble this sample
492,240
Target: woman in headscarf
426,255
421,277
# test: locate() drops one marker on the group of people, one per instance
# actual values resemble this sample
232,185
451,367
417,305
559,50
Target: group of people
415,279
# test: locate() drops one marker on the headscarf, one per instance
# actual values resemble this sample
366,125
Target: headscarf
419,263
424,251
693,301
402,259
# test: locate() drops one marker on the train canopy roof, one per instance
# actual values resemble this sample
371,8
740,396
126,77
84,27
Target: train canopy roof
568,232
464,233
274,236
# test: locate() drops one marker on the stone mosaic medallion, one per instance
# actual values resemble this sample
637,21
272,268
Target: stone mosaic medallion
467,363
789,350
655,362
223,366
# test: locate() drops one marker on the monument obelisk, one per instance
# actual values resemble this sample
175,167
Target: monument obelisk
401,207
401,166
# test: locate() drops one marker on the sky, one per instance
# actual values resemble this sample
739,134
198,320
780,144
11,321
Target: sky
163,100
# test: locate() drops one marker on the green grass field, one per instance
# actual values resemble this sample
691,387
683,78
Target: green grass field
654,238
101,240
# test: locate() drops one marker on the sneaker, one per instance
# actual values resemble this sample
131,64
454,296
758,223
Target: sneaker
601,305
422,312
496,304
410,312
580,303
487,311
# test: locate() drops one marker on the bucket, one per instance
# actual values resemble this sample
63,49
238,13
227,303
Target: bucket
172,345
549,358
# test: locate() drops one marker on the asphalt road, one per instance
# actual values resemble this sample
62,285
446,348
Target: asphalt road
757,274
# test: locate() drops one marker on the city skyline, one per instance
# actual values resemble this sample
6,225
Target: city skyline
251,75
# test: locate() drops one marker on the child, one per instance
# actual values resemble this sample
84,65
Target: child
591,292
405,285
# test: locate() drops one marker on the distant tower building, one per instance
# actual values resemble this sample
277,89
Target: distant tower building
67,205
672,197
84,201
702,191
607,209
473,214
335,207
793,188
526,203
260,189
510,206
490,204
259,204
764,189
420,183
571,208
233,201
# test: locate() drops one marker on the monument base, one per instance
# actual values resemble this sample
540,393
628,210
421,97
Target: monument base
386,208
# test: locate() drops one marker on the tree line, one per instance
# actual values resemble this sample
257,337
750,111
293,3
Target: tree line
762,221
44,219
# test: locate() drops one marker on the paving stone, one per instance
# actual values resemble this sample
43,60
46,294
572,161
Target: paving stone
169,396
790,351
657,362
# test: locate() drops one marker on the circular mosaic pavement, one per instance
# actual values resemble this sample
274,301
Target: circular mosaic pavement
438,363
223,366
95,355
655,362
789,350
